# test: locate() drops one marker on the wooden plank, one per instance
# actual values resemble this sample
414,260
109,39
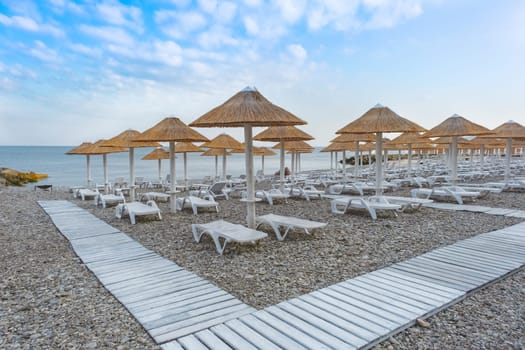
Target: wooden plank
150,281
496,264
460,261
251,335
447,273
172,345
282,340
150,293
172,298
491,258
299,331
192,342
234,340
202,322
449,268
339,309
211,340
425,275
310,314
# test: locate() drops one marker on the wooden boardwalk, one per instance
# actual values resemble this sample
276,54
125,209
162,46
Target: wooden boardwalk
476,209
353,314
167,300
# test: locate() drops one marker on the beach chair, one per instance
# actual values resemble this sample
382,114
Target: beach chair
307,192
287,223
134,209
353,202
155,196
195,203
406,203
86,193
216,191
222,232
106,199
271,195
451,192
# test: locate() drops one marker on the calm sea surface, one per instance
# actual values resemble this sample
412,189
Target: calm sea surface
70,170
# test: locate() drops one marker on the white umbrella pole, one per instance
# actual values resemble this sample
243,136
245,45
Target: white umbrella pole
224,165
409,160
132,174
379,163
216,168
356,160
399,159
293,166
186,169
250,185
160,171
173,199
262,164
454,159
105,164
281,173
344,162
482,156
508,155
336,163
88,170
299,162
331,160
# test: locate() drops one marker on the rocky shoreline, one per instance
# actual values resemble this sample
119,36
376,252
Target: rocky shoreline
49,300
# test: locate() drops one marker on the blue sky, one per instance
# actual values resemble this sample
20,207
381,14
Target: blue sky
74,71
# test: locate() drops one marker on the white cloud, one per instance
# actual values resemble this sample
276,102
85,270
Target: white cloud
44,53
115,13
298,52
181,3
168,52
86,50
27,8
179,24
208,5
251,26
385,14
29,24
253,3
291,10
225,12
61,6
216,36
110,34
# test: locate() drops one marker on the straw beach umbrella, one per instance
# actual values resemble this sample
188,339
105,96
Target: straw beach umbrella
410,138
353,138
158,154
455,127
81,150
224,142
247,109
126,139
378,120
509,130
282,134
171,130
185,148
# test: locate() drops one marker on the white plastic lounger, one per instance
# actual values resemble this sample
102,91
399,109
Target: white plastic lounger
106,199
271,195
195,203
224,231
288,223
308,192
352,202
412,203
155,196
135,209
452,192
86,193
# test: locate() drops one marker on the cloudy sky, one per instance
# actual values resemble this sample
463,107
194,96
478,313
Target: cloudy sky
74,71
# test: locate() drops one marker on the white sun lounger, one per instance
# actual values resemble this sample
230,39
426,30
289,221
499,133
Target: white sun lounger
85,193
155,196
224,231
452,192
195,203
308,192
412,203
134,209
106,199
288,223
271,195
353,202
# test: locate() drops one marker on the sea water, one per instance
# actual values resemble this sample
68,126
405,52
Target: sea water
70,170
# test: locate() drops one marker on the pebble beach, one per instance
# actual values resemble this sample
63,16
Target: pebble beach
50,300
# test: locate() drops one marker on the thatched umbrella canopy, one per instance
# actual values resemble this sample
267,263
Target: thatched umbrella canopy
352,141
225,142
126,139
158,154
171,130
216,152
247,109
81,150
509,131
455,127
185,148
379,120
283,135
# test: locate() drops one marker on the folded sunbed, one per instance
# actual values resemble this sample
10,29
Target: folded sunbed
195,203
353,202
287,223
134,209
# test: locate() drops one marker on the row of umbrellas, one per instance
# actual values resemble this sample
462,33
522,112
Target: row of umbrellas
249,108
